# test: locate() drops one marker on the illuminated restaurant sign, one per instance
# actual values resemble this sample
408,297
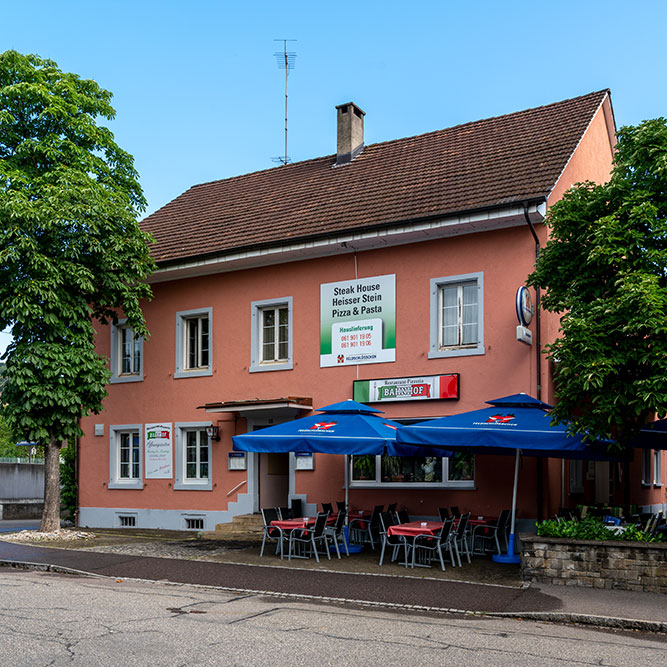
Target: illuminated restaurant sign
421,388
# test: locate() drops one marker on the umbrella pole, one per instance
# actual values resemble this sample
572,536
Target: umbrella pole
347,485
510,556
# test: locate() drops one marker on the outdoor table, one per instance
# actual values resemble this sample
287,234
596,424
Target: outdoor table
477,522
359,515
288,525
291,524
414,528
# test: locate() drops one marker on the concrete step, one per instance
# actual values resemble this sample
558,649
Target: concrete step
243,526
248,521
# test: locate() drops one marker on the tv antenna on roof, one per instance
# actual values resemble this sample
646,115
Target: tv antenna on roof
285,60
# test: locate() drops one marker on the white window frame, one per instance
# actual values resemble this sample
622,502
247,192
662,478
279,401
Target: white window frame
576,476
181,483
256,363
647,459
116,355
115,480
182,317
436,351
377,483
657,467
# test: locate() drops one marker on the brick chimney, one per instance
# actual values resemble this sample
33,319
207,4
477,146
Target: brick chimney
350,132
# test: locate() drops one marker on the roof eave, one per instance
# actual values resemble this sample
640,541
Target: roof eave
400,232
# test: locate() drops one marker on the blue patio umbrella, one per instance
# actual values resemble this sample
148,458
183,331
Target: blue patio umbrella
516,424
347,427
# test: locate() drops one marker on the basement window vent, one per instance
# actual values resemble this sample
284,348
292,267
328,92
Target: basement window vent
192,523
127,521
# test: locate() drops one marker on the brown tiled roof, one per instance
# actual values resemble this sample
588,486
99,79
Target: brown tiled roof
486,163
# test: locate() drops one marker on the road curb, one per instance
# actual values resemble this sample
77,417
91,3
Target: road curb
46,567
585,619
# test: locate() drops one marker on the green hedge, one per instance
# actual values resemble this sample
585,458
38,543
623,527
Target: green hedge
592,529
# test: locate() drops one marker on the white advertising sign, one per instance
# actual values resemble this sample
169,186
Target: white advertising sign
158,451
358,321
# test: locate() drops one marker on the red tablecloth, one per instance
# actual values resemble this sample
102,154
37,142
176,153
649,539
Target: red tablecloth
415,528
291,524
477,522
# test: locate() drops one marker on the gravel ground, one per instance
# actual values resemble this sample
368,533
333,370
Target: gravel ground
186,546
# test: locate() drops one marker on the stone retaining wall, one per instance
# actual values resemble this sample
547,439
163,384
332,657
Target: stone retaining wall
21,509
630,566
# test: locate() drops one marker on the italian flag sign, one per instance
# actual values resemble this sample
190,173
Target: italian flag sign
422,388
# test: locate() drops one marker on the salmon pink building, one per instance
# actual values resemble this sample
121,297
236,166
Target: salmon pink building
386,273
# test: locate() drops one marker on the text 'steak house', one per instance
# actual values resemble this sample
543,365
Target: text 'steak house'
387,273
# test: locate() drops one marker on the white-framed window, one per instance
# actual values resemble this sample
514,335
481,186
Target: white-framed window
193,343
457,316
127,354
647,477
412,471
576,476
192,456
657,467
271,335
125,457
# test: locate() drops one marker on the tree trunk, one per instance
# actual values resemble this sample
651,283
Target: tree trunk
51,513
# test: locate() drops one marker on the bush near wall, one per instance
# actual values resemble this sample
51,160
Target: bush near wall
593,529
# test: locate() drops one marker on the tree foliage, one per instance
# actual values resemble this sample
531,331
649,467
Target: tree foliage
605,272
68,477
71,251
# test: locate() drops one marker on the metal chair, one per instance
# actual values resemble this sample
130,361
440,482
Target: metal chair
402,516
337,534
285,513
435,543
395,541
460,538
341,506
444,514
327,507
392,507
653,523
456,512
366,529
272,533
297,507
311,537
487,532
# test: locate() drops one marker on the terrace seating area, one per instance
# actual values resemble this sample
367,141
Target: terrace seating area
392,533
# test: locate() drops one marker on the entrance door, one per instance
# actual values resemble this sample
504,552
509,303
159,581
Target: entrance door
602,482
273,479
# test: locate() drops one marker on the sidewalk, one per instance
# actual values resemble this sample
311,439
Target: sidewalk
619,609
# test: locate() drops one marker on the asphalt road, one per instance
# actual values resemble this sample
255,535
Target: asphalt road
53,619
15,525
440,594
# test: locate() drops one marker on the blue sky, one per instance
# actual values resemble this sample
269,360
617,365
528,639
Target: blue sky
199,96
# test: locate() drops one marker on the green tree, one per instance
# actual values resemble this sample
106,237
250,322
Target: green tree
68,477
605,272
7,443
71,251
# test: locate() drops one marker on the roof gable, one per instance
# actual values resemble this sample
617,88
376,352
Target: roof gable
477,165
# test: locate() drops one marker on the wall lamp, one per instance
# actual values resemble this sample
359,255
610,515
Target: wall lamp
213,432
